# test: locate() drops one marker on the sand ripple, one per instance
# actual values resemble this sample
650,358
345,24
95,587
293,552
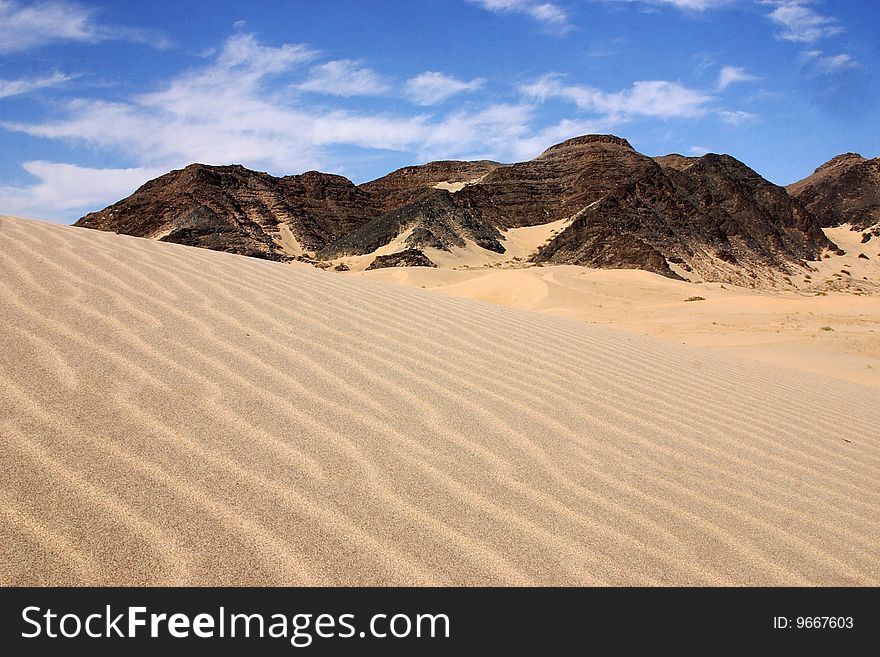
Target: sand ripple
171,415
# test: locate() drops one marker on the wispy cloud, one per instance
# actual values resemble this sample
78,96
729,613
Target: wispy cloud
696,5
24,26
22,86
649,98
432,87
344,78
65,187
800,22
699,150
736,118
684,5
821,63
548,14
233,109
731,75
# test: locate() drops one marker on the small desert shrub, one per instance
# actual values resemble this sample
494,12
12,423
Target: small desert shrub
695,299
826,328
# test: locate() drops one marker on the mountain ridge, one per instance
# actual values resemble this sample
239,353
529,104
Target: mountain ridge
671,215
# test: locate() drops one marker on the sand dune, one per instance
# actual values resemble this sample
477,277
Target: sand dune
171,415
835,333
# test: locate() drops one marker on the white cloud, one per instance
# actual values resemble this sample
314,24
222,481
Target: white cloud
17,87
528,147
24,26
684,5
828,64
68,189
493,130
432,87
732,74
231,111
800,22
344,78
699,150
546,13
736,118
651,98
697,5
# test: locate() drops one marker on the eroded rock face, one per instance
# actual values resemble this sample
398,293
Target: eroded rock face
672,214
231,208
436,222
413,184
844,190
675,161
557,184
710,214
407,258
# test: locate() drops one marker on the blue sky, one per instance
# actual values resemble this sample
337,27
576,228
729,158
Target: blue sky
98,97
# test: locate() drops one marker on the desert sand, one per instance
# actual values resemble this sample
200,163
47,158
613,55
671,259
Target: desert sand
828,323
171,415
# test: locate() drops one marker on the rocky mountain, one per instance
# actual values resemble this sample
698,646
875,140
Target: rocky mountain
675,161
713,216
413,184
844,190
555,185
710,217
231,208
407,258
436,222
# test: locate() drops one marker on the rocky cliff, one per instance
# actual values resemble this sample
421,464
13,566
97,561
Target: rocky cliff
714,216
844,190
231,208
671,215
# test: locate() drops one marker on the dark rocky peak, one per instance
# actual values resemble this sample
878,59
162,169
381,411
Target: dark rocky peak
675,161
558,184
231,208
846,189
406,258
845,159
576,144
437,221
716,218
414,183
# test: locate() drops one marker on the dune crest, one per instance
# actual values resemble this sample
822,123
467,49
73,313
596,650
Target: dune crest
174,415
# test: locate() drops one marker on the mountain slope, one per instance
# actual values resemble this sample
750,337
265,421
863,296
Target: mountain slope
844,190
415,183
711,218
434,222
231,208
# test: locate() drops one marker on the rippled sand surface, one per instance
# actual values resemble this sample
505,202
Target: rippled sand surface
170,415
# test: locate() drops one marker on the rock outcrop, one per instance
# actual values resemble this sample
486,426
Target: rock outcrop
844,190
407,258
557,184
434,222
412,184
715,216
231,208
672,215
